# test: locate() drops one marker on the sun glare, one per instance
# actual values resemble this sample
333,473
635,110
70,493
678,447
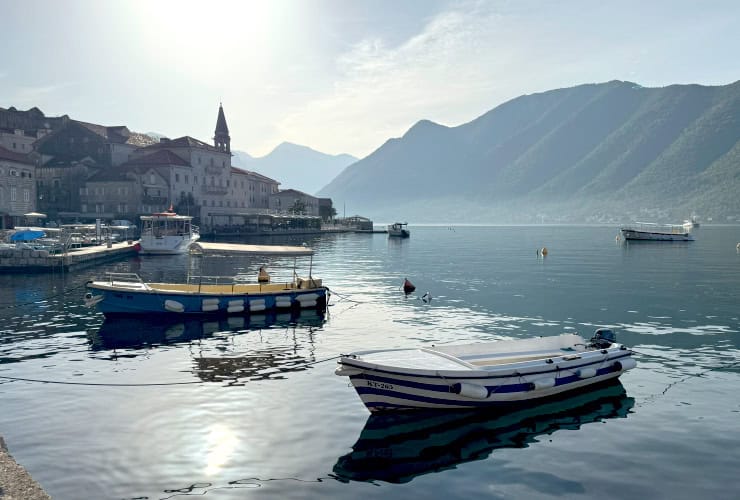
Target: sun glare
220,444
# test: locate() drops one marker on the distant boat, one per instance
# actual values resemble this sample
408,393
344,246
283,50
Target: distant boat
648,231
399,230
167,233
691,223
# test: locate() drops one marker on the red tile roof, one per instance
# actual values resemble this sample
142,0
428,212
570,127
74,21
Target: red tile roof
9,155
161,157
182,142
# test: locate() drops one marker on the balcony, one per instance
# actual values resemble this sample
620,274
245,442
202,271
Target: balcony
214,190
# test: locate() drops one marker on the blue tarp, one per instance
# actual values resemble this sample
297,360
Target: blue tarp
27,235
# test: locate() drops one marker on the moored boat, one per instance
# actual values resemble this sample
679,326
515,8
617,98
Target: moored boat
483,375
399,230
122,294
648,231
167,233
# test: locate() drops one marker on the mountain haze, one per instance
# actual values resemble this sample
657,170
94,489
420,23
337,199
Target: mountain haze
597,152
295,167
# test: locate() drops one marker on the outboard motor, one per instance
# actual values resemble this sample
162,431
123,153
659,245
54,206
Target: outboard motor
603,338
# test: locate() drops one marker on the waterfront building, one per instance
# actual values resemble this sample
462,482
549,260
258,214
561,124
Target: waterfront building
17,187
294,201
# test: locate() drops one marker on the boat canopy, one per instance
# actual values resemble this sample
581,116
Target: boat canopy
203,248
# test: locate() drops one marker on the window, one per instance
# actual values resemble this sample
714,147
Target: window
12,193
177,177
26,195
151,179
83,207
195,179
187,179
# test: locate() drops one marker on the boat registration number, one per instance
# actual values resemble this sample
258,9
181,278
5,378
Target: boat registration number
379,385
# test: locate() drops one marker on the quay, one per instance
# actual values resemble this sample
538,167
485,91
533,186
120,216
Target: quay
15,481
14,260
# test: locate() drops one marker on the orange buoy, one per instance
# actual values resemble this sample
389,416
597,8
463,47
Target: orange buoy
408,287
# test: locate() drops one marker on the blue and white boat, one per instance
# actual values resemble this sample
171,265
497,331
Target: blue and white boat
483,375
123,294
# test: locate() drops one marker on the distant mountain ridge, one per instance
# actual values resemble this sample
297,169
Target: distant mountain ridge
590,153
295,166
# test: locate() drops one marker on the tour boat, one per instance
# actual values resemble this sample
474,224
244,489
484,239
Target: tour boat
399,229
485,374
122,294
648,231
167,233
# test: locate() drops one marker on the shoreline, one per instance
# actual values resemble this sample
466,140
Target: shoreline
15,481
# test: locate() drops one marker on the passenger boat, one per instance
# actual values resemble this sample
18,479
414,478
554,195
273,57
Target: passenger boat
691,223
483,375
399,229
648,231
167,233
123,294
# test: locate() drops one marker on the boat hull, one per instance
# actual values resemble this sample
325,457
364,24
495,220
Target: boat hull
385,388
631,234
130,300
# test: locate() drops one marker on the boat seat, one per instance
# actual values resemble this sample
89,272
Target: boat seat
502,359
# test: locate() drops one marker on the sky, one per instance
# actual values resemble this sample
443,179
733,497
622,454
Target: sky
341,76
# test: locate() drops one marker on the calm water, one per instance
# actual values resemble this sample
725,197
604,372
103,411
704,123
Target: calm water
242,408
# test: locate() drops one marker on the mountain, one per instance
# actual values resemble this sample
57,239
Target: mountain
295,167
592,153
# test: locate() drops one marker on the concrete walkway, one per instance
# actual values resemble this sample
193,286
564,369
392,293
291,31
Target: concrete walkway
15,482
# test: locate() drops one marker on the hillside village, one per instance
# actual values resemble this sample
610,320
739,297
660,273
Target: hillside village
74,172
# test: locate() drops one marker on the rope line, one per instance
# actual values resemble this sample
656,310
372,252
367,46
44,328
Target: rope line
343,297
151,384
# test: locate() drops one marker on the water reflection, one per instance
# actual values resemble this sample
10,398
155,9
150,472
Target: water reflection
139,332
398,447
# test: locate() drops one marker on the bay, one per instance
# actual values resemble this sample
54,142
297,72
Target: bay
250,406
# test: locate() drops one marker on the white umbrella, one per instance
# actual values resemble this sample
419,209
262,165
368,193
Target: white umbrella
35,215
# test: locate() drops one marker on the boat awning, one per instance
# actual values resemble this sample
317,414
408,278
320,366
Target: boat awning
27,235
201,247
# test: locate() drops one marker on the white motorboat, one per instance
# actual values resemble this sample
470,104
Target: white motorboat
649,231
167,233
483,375
399,229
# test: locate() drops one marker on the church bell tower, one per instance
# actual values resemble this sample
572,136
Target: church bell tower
221,139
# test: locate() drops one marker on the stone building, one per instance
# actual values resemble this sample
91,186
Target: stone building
17,187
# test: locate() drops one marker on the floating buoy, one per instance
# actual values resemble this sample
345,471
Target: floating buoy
543,251
263,277
408,287
427,297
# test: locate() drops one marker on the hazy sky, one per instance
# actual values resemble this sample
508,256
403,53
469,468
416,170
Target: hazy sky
341,76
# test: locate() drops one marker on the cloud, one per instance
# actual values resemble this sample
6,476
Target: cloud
443,73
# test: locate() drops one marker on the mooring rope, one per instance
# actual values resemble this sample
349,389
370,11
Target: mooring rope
149,384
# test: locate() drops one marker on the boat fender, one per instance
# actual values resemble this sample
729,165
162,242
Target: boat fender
209,305
625,364
234,309
174,306
586,372
542,383
283,302
345,371
473,391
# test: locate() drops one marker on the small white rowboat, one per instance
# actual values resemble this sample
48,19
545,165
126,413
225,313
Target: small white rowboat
483,374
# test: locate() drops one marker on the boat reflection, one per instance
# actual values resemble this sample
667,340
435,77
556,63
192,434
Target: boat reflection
140,332
397,447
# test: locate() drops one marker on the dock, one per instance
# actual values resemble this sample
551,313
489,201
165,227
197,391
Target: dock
13,260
